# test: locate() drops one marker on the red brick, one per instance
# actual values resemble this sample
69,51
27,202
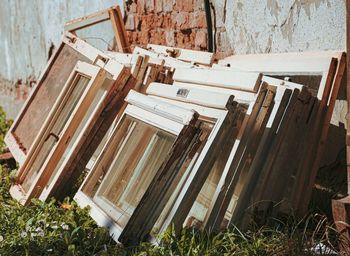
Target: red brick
178,5
157,37
141,6
179,39
201,39
158,6
150,5
168,5
168,22
198,19
187,5
193,38
181,19
143,37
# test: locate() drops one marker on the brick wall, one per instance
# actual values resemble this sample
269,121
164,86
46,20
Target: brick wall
179,23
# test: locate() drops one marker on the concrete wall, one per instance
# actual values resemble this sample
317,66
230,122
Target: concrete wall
250,26
29,28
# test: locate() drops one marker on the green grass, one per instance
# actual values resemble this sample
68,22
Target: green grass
53,228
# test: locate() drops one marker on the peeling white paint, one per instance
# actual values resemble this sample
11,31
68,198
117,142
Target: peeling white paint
29,27
280,26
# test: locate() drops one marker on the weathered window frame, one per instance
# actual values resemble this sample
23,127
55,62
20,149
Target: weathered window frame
330,65
222,111
192,56
178,121
113,14
98,79
244,97
88,54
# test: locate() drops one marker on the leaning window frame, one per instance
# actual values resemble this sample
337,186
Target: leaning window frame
97,78
112,14
242,97
93,55
156,113
212,106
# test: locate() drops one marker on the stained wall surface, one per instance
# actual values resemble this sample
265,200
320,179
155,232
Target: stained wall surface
250,26
29,28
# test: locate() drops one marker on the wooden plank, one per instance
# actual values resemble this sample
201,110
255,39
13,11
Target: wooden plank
289,155
296,184
152,76
273,189
245,81
200,57
245,204
87,21
286,64
236,152
119,30
141,74
137,66
175,113
196,96
240,96
169,61
297,62
263,181
197,180
303,206
244,155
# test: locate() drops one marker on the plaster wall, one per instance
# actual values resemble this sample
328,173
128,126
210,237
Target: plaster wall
29,28
251,26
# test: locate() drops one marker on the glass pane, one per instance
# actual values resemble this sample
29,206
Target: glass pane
42,101
79,85
99,35
135,161
69,149
185,170
204,199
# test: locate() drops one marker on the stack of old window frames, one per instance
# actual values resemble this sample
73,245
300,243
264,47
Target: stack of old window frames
289,186
161,159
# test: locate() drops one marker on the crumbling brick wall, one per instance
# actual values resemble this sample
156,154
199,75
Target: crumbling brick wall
180,23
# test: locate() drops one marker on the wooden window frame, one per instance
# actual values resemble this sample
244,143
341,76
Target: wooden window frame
68,40
173,119
192,56
114,15
210,106
287,64
98,77
169,61
244,97
328,64
243,81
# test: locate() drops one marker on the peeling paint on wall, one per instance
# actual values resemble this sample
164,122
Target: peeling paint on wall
280,26
28,29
